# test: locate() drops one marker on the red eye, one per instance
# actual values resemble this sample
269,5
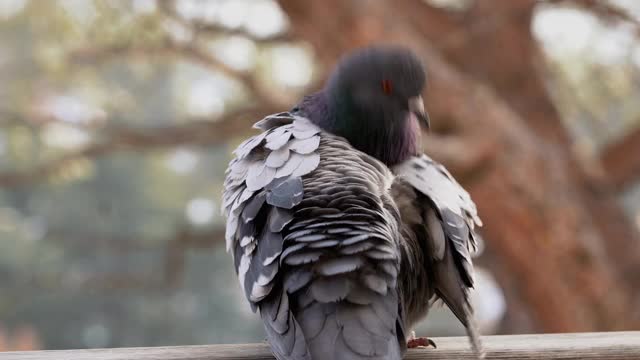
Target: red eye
387,87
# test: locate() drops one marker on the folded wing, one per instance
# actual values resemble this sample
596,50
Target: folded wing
314,238
449,217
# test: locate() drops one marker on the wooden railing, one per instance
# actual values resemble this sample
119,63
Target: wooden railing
580,346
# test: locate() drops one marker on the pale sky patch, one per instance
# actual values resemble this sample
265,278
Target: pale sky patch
200,211
204,99
177,31
64,136
11,8
569,31
232,13
144,6
292,66
182,161
72,109
265,18
564,29
235,51
82,11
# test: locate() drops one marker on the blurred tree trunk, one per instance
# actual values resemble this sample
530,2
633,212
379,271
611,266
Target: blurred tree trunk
623,170
500,50
557,241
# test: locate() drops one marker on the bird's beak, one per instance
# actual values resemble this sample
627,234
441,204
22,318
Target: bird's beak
416,106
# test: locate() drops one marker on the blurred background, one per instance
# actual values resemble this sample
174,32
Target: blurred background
117,119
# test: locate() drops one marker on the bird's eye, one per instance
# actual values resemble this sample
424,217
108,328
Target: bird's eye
387,87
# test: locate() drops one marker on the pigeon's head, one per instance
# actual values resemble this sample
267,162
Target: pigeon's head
384,83
374,98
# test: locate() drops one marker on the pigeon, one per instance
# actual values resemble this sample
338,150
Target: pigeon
343,233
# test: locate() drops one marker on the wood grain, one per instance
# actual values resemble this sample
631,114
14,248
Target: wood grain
584,346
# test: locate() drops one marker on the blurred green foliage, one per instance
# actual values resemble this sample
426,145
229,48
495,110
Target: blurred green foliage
83,252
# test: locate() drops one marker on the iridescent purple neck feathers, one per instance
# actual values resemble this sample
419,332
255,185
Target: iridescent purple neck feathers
390,142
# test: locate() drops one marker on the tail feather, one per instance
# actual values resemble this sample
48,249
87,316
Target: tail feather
453,291
474,334
464,312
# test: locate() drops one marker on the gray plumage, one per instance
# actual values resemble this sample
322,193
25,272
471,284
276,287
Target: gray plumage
439,219
340,252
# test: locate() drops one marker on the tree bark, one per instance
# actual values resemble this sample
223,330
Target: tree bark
547,252
500,50
621,161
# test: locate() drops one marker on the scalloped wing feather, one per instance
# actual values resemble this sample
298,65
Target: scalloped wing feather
449,217
311,228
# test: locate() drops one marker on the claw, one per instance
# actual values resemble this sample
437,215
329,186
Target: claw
420,342
414,342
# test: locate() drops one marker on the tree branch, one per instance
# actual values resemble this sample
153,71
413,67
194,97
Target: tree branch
604,10
122,138
189,52
203,27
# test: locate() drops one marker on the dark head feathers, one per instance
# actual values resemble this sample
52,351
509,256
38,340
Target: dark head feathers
397,66
373,100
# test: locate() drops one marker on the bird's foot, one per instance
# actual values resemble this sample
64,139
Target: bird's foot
414,342
420,342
